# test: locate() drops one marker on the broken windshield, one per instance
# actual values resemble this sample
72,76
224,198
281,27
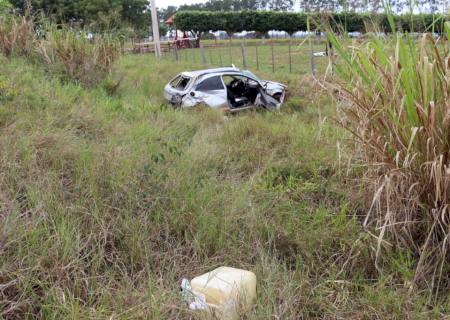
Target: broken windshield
180,82
251,75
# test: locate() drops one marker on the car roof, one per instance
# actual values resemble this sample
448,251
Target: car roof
199,73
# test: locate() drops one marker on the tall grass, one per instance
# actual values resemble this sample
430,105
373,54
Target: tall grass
395,99
64,51
17,36
107,201
71,53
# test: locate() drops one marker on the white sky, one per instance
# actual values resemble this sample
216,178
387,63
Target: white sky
166,3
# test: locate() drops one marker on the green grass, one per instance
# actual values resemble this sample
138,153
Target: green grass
108,197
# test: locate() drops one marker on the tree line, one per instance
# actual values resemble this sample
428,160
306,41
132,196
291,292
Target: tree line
265,21
374,6
238,5
228,15
94,14
135,14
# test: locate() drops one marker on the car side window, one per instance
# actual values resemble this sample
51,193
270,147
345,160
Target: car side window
213,83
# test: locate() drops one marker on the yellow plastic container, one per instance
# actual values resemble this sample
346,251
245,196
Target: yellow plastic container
226,290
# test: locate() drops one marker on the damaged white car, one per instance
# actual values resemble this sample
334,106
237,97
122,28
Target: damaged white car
227,88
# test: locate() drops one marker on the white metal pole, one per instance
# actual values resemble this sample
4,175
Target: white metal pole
155,29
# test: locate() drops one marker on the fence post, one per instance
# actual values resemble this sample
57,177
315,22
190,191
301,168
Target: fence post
175,51
122,45
273,58
290,57
313,64
311,46
202,48
231,56
210,56
244,60
257,57
330,55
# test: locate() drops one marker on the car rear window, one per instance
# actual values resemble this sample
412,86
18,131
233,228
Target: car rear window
213,83
180,82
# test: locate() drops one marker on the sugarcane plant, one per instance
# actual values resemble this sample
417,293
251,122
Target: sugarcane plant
393,94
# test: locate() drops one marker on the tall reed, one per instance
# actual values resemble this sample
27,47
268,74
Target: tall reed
395,99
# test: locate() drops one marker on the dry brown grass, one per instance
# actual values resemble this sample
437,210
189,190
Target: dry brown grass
17,35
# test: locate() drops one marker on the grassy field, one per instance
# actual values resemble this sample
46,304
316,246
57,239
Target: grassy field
109,197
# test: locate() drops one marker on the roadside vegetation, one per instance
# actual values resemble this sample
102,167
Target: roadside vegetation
63,51
108,197
395,96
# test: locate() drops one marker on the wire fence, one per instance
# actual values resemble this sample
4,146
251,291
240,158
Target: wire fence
305,56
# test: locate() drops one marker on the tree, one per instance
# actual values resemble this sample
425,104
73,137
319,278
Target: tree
240,5
96,13
289,22
232,5
5,6
192,7
197,22
135,12
374,6
280,5
264,21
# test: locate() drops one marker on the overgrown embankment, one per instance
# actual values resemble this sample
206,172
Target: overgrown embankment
108,197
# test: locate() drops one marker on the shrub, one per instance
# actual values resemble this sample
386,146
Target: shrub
397,105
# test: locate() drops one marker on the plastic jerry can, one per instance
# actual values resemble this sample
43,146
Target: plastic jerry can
226,291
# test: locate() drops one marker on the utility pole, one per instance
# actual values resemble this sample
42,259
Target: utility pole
155,29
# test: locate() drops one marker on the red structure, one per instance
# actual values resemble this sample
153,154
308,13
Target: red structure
184,42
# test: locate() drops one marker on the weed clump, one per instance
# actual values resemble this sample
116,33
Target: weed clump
397,105
17,35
